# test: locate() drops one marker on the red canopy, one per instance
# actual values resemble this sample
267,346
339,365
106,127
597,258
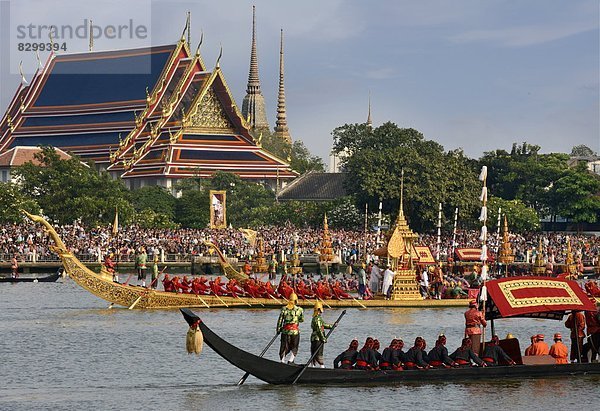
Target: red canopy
543,297
471,254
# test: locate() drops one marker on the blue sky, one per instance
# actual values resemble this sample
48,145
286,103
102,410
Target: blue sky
471,74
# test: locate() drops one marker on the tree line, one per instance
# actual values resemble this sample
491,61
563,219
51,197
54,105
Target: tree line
524,183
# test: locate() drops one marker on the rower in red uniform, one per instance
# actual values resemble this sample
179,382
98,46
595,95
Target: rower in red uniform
347,358
493,353
365,359
559,351
464,355
415,356
438,355
168,284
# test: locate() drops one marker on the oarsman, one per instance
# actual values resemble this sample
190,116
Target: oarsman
559,351
376,347
438,356
528,349
347,358
493,353
576,323
539,347
154,282
464,355
390,359
415,356
288,325
318,338
365,359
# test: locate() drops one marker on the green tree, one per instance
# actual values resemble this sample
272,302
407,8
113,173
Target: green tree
67,190
192,207
582,150
576,195
520,218
148,218
376,157
343,213
296,154
155,198
12,200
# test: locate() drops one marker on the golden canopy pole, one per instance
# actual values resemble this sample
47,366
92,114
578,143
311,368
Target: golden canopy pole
484,254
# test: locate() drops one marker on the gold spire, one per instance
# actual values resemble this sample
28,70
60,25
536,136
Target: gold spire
253,106
281,127
401,212
369,121
506,254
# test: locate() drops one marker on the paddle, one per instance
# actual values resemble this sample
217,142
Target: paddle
312,357
243,379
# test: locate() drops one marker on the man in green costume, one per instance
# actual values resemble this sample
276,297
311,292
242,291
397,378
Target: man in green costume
289,319
317,338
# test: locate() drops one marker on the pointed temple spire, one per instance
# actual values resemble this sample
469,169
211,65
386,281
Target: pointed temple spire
369,121
253,106
281,128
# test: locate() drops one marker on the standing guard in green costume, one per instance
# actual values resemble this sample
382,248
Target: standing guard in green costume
317,338
291,315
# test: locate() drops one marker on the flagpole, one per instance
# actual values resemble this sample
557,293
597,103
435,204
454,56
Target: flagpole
483,238
454,235
365,235
439,233
379,224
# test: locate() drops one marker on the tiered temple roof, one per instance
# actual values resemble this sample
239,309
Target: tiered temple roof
149,113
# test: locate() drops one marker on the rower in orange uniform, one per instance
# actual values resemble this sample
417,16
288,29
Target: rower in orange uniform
559,351
539,347
473,319
528,349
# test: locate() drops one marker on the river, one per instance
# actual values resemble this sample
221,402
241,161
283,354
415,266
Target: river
63,349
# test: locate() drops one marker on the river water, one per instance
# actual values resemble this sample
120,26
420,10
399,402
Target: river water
61,348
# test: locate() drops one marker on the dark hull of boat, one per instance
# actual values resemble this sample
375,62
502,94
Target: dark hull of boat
48,279
274,372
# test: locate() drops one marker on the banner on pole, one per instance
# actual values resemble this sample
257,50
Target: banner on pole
218,210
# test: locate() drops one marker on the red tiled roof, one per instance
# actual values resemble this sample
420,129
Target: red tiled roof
20,155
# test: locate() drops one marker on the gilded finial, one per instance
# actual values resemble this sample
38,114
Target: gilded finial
281,127
148,98
217,65
91,45
23,81
200,43
369,121
9,121
401,213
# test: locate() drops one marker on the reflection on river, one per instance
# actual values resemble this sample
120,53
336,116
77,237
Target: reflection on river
63,349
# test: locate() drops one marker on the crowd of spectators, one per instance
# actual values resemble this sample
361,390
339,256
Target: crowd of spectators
91,244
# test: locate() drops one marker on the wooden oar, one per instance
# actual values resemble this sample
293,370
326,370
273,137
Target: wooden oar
312,357
220,299
358,302
203,302
135,303
242,300
328,306
243,379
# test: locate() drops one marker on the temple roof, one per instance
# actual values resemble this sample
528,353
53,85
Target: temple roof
315,186
18,156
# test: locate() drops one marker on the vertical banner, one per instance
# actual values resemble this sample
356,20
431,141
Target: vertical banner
218,209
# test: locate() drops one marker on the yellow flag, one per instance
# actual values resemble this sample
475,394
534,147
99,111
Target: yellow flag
249,235
115,228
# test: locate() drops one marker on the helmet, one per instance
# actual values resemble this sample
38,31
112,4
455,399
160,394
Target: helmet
472,304
557,336
293,297
318,306
509,336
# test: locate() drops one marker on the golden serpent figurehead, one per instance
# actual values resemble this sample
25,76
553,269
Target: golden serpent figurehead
60,247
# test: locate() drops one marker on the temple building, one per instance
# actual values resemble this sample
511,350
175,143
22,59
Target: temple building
152,116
